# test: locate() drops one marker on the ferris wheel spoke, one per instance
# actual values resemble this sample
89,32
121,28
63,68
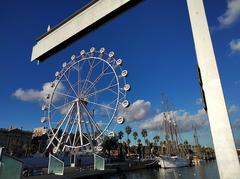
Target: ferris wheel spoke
63,133
89,138
112,80
96,81
79,123
88,74
75,135
115,100
69,134
109,73
79,79
70,85
64,94
122,92
101,105
107,111
102,90
71,129
97,63
58,128
91,117
113,91
61,106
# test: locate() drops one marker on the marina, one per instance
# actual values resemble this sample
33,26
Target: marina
202,171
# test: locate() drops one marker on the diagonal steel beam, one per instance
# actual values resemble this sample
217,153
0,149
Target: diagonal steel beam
225,150
80,23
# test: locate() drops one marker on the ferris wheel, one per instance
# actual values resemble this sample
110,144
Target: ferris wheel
85,99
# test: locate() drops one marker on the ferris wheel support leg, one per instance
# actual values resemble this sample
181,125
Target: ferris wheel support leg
225,150
79,123
53,137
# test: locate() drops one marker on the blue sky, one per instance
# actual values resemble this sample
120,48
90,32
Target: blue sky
155,41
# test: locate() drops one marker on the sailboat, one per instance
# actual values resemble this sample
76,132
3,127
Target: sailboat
196,159
173,156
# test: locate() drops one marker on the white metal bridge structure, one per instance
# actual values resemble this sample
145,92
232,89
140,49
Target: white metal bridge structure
86,97
98,11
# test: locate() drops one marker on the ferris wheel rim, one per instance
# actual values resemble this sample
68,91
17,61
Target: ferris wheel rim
59,80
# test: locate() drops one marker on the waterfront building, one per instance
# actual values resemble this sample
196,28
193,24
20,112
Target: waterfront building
13,138
39,131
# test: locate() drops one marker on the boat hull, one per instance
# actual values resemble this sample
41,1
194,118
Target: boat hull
173,162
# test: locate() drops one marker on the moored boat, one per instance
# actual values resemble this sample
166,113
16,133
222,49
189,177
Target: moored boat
173,161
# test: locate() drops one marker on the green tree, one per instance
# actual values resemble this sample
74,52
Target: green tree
139,141
135,136
144,134
128,131
147,142
109,143
128,142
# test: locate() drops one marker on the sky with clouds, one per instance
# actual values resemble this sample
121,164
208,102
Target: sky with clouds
155,41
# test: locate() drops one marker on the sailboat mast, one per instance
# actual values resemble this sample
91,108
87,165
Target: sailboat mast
175,129
164,118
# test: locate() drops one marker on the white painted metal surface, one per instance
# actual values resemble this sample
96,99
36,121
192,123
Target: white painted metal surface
226,155
172,161
74,25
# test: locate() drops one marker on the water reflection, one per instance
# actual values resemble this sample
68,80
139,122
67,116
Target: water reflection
203,171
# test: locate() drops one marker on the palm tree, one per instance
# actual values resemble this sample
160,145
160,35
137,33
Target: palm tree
128,130
135,136
128,142
144,134
120,136
147,142
139,141
156,139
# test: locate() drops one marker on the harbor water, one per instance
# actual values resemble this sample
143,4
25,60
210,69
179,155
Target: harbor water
203,171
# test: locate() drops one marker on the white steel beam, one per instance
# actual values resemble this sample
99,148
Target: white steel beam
225,150
98,11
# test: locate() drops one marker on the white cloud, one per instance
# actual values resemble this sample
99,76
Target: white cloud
231,15
184,121
137,111
199,101
33,95
235,45
236,123
233,109
28,95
